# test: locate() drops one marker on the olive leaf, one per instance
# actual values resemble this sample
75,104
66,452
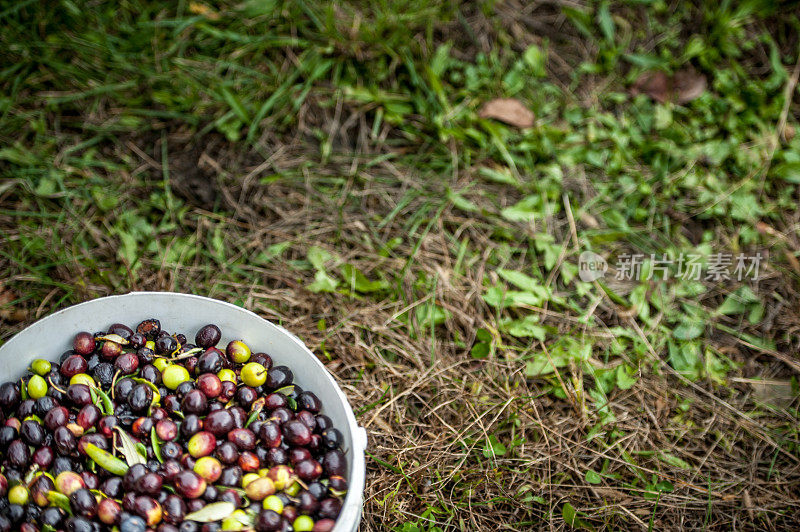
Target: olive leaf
106,460
60,500
128,450
117,339
105,401
209,513
156,445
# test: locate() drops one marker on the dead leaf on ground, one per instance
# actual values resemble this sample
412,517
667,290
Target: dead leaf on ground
682,87
508,110
773,392
8,312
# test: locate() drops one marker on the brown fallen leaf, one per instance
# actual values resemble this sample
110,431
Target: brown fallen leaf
682,87
508,110
8,312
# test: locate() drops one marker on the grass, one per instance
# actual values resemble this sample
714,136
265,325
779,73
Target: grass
326,166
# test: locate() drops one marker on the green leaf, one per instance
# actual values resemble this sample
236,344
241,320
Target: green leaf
526,327
674,461
106,460
480,350
318,257
535,58
605,22
593,477
625,379
354,278
323,282
688,330
461,202
525,210
60,500
492,447
503,176
156,445
429,314
569,514
128,449
520,280
499,297
216,511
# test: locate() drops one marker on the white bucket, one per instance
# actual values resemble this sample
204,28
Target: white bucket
186,313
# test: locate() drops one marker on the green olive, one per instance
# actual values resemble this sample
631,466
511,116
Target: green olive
40,367
174,375
37,387
238,351
303,523
254,374
18,495
274,503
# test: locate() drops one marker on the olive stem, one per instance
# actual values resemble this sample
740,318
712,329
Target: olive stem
50,380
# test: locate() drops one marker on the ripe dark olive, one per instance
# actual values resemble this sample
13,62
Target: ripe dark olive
296,433
150,373
268,521
263,359
231,496
131,478
64,441
227,391
307,418
112,487
171,403
191,365
95,439
32,432
127,363
44,405
149,484
26,408
323,422
298,454
239,416
106,425
194,402
245,396
103,373
17,453
324,525
145,355
142,427
335,463
140,397
209,384
137,340
318,490
227,453
166,430
10,396
43,457
121,330
219,422
183,388
281,415
52,517
84,343
277,456
88,416
166,345
278,377
308,504
308,470
7,435
123,388
149,328
244,439
90,480
315,445
189,484
110,350
191,425
73,365
275,400
79,395
309,401
331,438
330,508
181,338
212,361
231,476
174,509
208,336
83,503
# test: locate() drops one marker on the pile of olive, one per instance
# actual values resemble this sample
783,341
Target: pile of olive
138,430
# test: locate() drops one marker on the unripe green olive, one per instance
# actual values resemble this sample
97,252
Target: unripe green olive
254,374
41,367
37,387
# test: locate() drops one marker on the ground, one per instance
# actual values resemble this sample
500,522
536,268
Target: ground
333,168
